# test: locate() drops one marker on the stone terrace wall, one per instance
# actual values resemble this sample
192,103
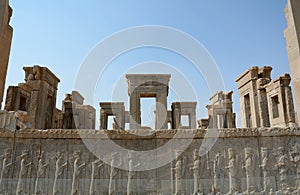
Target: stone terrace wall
41,148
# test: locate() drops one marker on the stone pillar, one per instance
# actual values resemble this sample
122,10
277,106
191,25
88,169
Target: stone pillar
161,121
192,119
292,36
290,105
6,33
68,118
176,115
135,111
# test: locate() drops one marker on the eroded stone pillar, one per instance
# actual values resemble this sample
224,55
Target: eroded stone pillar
6,33
135,111
161,111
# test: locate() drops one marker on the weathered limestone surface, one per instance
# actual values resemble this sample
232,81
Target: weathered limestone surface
6,33
58,162
292,36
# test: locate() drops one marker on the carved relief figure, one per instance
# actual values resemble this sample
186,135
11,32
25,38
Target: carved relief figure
179,172
59,167
295,159
219,172
113,171
131,173
282,165
23,170
249,167
95,165
41,170
196,168
6,165
232,171
76,172
266,167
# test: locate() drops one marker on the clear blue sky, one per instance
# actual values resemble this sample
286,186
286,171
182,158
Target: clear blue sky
60,34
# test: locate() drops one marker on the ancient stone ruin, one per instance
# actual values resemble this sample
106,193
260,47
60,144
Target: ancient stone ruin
263,102
46,150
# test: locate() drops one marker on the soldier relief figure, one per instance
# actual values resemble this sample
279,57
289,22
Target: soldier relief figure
295,159
77,167
232,171
6,165
282,165
267,167
24,165
131,173
41,170
179,172
195,169
249,167
96,166
59,168
219,172
113,172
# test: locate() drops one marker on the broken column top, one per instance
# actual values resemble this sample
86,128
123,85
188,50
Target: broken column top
221,96
41,73
191,105
254,73
112,105
284,80
77,97
148,79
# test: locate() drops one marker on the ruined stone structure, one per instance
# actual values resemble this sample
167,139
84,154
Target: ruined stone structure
180,109
50,151
145,86
76,115
263,102
6,32
116,109
36,97
220,112
292,36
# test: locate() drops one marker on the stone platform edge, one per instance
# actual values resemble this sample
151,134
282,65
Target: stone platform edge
145,134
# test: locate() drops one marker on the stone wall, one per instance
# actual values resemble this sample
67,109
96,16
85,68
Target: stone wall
38,161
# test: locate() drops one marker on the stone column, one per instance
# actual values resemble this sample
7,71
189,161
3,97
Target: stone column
292,36
103,119
192,120
161,121
289,106
263,108
135,111
6,33
176,114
